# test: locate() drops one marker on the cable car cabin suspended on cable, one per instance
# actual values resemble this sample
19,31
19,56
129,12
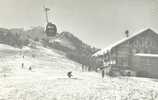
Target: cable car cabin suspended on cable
51,30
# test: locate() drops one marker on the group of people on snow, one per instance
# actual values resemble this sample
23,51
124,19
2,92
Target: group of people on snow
69,74
22,66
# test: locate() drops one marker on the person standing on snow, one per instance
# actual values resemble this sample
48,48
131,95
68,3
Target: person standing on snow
69,74
103,73
30,68
22,65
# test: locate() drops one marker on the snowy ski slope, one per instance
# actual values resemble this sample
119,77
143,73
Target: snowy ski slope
48,80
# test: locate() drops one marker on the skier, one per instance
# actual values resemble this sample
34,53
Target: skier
30,68
69,74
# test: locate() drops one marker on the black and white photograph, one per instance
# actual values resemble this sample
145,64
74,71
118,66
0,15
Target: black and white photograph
78,49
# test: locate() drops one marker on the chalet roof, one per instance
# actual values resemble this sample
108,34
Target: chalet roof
108,48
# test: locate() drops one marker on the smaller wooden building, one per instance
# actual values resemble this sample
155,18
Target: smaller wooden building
137,53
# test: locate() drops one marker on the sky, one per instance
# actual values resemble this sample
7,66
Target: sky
97,22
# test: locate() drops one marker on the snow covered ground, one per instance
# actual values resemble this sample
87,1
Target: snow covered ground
48,80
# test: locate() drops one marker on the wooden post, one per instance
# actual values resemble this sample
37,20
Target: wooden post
109,58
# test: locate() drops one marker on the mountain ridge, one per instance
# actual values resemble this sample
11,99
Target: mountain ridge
74,48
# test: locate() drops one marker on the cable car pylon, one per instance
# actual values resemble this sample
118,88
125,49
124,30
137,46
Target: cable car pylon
46,12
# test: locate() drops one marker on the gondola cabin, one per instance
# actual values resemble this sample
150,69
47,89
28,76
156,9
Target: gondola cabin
51,30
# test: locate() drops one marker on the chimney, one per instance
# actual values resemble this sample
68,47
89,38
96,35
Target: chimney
127,33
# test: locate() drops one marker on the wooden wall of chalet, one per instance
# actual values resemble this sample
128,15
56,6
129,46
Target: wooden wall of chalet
146,66
124,54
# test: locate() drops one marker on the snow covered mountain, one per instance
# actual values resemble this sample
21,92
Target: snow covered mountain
73,47
76,50
68,40
48,80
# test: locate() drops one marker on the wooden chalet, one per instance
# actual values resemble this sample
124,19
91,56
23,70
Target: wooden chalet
138,53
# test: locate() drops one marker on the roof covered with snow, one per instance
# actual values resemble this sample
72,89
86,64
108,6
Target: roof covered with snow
108,48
